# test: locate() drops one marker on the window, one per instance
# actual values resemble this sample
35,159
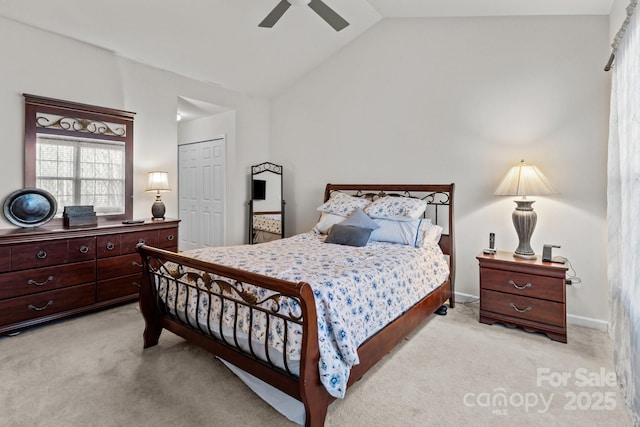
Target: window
81,172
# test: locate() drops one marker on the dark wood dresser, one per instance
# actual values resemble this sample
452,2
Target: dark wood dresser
525,293
51,272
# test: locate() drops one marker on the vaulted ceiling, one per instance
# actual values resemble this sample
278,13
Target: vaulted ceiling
219,41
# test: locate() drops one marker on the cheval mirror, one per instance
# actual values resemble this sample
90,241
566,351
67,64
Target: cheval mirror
266,207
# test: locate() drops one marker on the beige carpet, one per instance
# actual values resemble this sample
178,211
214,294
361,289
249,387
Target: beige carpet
454,371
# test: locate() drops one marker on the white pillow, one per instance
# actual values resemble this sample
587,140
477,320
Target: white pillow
429,233
391,207
327,220
343,204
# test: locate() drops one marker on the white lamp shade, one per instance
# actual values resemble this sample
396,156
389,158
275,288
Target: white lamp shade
524,180
158,181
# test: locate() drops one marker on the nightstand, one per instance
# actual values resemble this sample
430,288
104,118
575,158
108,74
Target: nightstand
525,293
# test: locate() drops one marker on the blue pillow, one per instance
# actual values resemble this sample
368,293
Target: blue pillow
349,235
403,232
360,219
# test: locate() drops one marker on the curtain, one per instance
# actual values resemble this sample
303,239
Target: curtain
623,214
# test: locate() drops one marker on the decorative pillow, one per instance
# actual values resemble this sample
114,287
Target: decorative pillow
392,207
348,235
403,232
343,204
360,219
326,221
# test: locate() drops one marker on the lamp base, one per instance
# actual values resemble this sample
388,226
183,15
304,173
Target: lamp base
158,209
524,221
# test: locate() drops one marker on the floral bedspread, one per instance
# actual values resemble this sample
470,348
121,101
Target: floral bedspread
358,290
269,223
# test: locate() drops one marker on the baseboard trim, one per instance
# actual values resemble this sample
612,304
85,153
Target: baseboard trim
465,298
587,322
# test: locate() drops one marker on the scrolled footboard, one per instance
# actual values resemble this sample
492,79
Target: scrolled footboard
263,325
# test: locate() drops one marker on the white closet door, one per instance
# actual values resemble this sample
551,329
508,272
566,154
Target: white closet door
201,193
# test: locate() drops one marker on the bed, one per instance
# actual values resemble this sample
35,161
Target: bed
259,312
267,226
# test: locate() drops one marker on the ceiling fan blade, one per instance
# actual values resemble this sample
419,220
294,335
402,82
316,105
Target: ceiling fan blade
275,14
328,14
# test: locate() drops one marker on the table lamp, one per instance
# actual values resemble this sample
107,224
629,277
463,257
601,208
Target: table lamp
524,180
158,181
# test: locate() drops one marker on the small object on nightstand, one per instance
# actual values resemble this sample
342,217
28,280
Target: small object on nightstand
491,250
547,255
525,293
133,221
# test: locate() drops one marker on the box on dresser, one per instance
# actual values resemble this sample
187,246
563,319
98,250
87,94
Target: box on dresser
525,293
79,216
51,272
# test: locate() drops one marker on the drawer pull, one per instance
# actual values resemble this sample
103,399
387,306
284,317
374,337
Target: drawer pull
35,282
41,254
110,246
84,249
520,310
141,241
515,285
136,264
170,237
33,307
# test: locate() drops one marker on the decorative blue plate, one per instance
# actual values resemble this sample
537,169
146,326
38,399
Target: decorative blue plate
30,207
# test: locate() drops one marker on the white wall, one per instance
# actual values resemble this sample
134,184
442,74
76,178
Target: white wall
45,64
462,100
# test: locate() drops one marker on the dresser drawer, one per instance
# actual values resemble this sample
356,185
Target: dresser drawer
38,254
532,309
545,287
82,249
5,258
118,287
109,245
46,303
131,240
122,265
45,279
168,239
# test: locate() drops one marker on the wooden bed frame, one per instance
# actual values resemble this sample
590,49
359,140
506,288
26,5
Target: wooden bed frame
305,387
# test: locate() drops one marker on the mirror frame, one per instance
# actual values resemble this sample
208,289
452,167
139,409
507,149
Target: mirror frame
257,170
89,122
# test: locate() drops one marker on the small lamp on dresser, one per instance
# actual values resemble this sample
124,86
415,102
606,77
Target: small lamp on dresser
524,180
158,181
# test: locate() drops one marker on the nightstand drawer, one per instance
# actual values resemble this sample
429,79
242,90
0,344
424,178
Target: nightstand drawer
545,287
521,307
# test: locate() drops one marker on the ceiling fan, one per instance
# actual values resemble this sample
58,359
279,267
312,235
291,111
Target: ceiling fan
318,6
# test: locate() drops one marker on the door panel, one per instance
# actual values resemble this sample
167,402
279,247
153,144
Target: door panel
201,194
